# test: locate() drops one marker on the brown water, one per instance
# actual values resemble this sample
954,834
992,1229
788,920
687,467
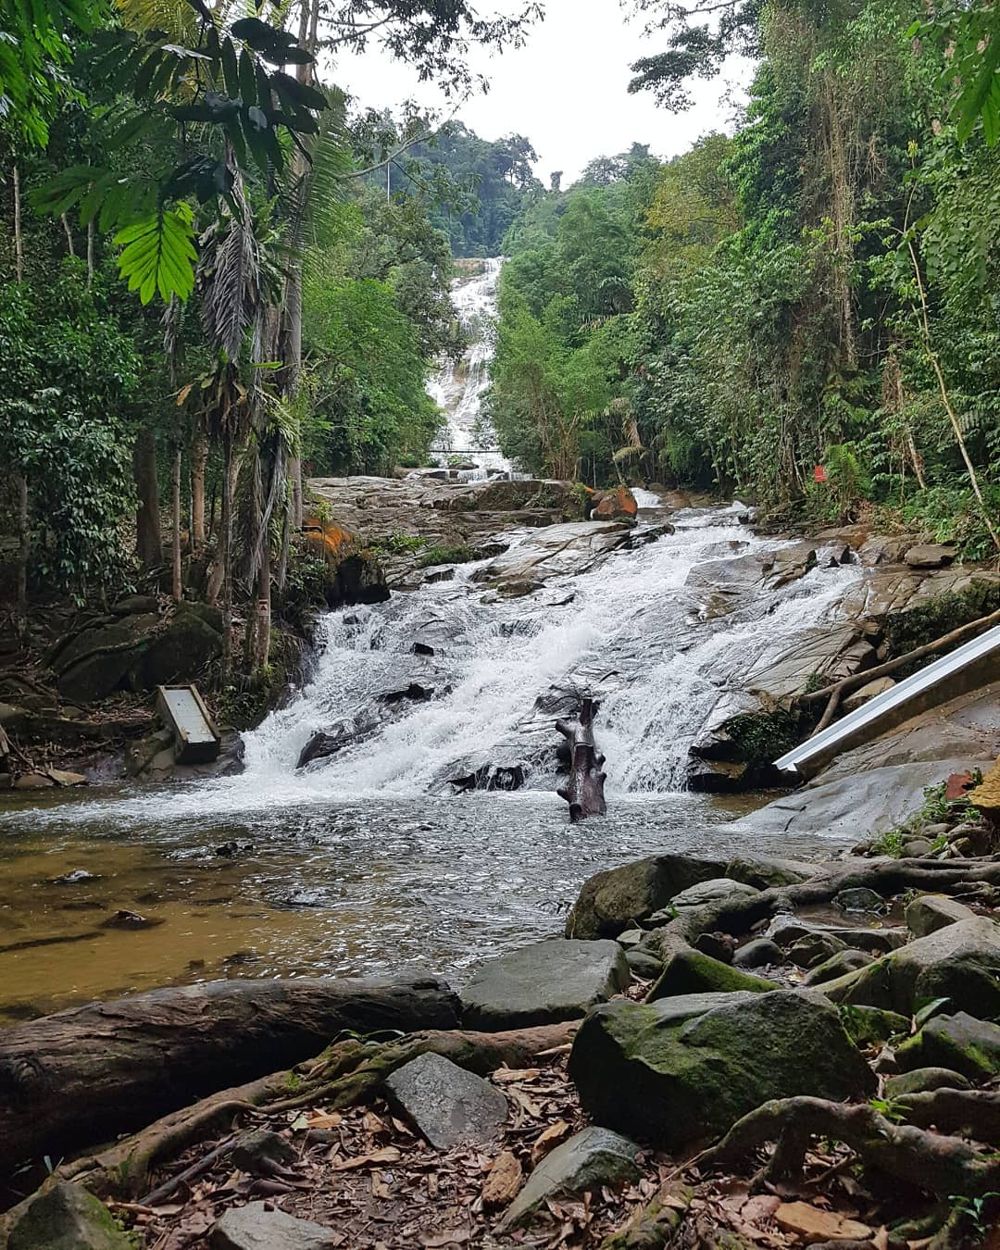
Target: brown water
373,886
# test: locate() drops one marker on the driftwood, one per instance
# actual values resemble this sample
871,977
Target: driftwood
584,791
84,1075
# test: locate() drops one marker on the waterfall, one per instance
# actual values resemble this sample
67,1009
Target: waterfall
458,388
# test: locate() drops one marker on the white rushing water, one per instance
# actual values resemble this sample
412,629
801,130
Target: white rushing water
458,388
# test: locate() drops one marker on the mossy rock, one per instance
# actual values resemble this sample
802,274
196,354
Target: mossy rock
870,1026
609,901
691,972
67,1217
960,1043
658,1073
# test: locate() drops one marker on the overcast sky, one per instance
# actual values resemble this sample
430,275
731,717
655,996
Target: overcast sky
566,89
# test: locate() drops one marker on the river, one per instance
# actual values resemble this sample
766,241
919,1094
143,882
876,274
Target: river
371,861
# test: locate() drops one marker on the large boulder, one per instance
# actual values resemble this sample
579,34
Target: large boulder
352,574
66,1217
610,900
659,1073
559,550
960,962
930,912
693,972
959,1042
614,505
544,983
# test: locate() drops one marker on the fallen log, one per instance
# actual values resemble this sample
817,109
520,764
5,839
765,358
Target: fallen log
584,791
346,1072
83,1075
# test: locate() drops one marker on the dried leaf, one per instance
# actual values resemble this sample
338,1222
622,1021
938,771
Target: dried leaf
322,1119
523,1101
546,1140
447,1237
388,1154
503,1075
372,1124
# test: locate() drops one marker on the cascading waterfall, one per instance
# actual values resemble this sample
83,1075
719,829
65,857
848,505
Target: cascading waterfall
458,388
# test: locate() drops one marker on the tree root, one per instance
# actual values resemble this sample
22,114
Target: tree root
971,1113
655,1224
939,1164
345,1073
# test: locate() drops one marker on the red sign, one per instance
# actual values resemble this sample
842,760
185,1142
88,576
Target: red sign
819,473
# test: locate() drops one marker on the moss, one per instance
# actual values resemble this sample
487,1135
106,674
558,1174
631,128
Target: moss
460,554
761,737
913,628
692,972
868,1026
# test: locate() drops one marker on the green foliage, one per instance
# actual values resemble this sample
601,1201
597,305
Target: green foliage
905,631
460,554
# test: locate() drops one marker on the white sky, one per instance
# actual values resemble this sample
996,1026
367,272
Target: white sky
566,89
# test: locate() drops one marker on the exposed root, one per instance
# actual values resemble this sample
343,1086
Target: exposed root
939,1164
971,1113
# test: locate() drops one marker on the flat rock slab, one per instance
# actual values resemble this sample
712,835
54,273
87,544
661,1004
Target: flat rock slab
544,983
450,1106
590,1159
253,1227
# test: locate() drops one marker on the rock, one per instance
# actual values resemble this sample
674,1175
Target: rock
130,920
33,781
960,962
986,796
923,1080
870,1026
610,900
78,876
712,891
544,983
814,948
661,1073
767,872
135,605
614,505
260,1151
558,550
717,945
917,848
931,912
180,650
450,1106
66,1217
630,938
352,572
691,972
930,555
838,965
257,1226
63,777
757,953
859,900
809,1224
868,691
643,965
960,1042
590,1160
786,930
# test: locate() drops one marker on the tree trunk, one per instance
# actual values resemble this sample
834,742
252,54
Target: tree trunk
199,463
262,637
90,253
84,1075
18,237
149,540
176,579
226,553
69,235
23,550
584,791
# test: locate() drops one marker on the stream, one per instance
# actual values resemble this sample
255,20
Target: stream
373,861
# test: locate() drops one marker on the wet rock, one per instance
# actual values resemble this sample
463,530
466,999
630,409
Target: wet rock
786,930
487,776
923,1080
931,912
838,965
33,781
960,962
930,555
960,1042
691,972
653,1072
543,983
352,572
559,550
590,1160
712,891
814,948
757,953
450,1106
258,1226
67,1217
130,920
76,877
766,872
609,901
859,900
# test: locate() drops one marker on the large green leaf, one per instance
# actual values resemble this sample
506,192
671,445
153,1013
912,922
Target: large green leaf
158,254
